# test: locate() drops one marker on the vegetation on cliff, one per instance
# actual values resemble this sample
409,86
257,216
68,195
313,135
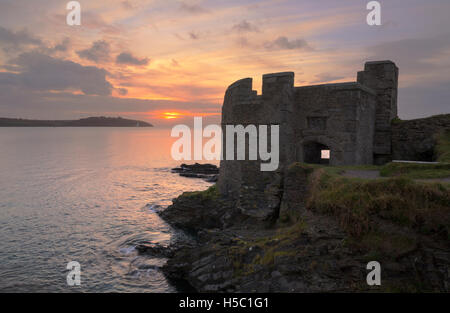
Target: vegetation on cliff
443,147
416,170
328,228
357,203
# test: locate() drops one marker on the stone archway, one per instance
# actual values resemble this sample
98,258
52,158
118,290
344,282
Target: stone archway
316,153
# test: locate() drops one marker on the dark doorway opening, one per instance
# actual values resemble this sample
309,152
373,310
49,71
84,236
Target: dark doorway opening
316,153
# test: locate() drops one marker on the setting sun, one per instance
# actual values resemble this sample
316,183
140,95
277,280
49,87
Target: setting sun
171,115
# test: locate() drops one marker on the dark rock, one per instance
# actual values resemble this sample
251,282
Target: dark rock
197,168
208,172
155,250
196,211
232,252
212,178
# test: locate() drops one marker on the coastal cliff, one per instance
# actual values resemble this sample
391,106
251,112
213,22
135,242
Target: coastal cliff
328,228
315,227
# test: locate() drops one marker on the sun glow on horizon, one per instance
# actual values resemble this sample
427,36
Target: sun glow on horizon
171,115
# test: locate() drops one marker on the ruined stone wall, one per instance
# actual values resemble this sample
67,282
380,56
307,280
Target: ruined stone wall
382,77
256,193
346,118
414,140
340,116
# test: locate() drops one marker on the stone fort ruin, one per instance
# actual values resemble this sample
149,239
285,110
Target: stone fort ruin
336,124
349,121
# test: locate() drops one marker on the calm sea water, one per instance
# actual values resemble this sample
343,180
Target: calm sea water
87,195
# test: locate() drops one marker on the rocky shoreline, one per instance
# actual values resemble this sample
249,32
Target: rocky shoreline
208,172
303,249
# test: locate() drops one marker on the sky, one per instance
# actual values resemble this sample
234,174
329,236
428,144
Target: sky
166,61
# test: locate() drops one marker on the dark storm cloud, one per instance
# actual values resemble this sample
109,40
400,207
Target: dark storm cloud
98,52
41,72
129,59
284,43
245,27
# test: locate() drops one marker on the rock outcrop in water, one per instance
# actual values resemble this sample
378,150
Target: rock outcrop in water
208,172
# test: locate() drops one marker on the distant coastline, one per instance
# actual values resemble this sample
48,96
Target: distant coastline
84,122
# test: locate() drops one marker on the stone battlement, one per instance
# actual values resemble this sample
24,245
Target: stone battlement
348,121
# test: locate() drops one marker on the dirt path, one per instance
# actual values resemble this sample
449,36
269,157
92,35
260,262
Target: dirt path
368,174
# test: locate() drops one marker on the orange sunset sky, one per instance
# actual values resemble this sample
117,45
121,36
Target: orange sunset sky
167,61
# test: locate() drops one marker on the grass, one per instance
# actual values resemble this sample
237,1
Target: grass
382,217
424,171
267,249
443,147
211,193
420,206
381,246
416,170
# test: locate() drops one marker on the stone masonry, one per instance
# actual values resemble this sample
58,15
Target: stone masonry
349,120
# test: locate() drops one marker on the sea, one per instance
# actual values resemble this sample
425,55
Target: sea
86,195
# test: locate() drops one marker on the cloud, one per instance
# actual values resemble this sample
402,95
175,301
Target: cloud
242,42
17,39
284,43
50,105
98,52
127,5
194,36
326,77
192,8
41,72
21,41
63,46
122,91
413,54
245,27
129,59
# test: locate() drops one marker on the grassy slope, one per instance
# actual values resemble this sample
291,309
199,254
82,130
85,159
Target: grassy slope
443,147
382,218
423,207
416,171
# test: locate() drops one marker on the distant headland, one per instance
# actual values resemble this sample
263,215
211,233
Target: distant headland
84,122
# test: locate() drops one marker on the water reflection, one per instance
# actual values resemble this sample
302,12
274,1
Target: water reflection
86,195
